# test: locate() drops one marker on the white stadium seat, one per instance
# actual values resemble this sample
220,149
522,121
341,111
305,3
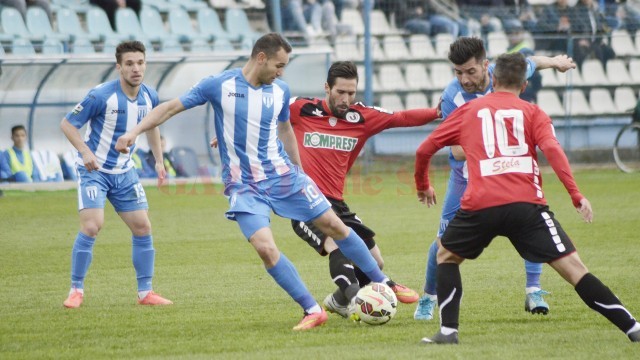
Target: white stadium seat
601,102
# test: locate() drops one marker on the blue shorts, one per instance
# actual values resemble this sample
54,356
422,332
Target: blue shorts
455,189
124,191
293,195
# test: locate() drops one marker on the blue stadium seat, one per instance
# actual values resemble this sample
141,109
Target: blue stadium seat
69,24
39,25
22,47
83,46
162,6
13,24
210,25
200,46
110,46
52,47
128,25
180,24
237,24
78,6
153,27
98,24
190,5
222,45
171,46
48,164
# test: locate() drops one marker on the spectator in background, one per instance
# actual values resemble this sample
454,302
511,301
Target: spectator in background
417,17
21,6
321,16
111,6
517,43
555,26
16,163
168,162
591,27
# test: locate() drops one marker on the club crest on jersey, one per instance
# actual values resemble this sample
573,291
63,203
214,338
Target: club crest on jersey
267,100
333,121
352,117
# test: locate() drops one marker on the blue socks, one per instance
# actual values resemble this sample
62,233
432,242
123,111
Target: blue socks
534,270
354,248
143,255
431,274
286,275
81,256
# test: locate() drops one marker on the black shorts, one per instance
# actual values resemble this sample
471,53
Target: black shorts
531,228
315,238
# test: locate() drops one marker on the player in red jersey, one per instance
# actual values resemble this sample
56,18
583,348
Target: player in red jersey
330,133
499,134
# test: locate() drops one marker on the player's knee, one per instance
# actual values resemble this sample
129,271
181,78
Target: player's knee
91,228
333,227
446,256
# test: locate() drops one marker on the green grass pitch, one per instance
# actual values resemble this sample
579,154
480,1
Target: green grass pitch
227,307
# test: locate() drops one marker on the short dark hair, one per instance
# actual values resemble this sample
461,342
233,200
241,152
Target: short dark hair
511,70
270,44
129,46
16,128
465,48
341,69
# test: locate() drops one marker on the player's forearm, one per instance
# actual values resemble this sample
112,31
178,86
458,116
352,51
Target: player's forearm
560,164
158,116
73,135
561,63
425,152
153,138
288,139
415,117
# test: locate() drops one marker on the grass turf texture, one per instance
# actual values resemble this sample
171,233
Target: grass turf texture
226,305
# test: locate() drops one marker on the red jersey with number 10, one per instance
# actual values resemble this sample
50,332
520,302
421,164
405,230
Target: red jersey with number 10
499,134
329,145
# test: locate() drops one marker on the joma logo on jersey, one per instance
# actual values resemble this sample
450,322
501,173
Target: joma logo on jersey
234,94
324,141
116,111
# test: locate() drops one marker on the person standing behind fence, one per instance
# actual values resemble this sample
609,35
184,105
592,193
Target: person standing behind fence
109,110
16,164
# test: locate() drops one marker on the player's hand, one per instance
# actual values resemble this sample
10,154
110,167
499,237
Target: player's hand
427,197
585,210
214,142
162,174
124,142
89,160
563,63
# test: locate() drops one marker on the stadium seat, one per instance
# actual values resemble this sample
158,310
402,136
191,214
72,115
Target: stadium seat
69,24
353,18
68,164
395,48
549,101
171,46
109,46
577,103
391,78
128,25
180,25
376,49
209,24
634,70
593,73
222,45
442,42
222,4
601,102
617,72
435,98
247,43
417,77
549,78
570,77
498,43
162,6
153,26
346,49
441,75
622,43
421,48
78,6
48,165
362,79
237,24
185,161
200,46
98,24
22,47
14,25
391,102
416,100
2,53
52,47
379,24
39,25
190,5
82,46
625,99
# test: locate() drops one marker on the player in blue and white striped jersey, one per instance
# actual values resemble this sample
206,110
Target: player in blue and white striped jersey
261,163
109,110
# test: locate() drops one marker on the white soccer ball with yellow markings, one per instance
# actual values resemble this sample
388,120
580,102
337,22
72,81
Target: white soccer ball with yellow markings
375,304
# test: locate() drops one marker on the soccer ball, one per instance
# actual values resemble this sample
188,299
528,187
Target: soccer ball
375,304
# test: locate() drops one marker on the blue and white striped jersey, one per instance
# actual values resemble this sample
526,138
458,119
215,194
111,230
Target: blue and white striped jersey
246,121
110,113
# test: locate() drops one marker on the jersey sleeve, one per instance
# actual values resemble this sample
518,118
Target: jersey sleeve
87,109
153,94
414,117
447,103
284,113
531,67
200,93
